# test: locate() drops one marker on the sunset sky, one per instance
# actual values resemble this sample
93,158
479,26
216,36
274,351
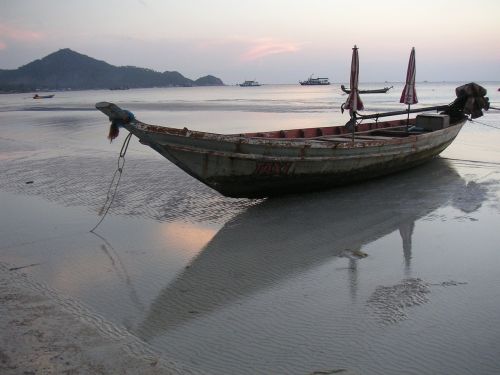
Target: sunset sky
272,41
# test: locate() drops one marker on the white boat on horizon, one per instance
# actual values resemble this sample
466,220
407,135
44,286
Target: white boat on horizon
249,84
315,81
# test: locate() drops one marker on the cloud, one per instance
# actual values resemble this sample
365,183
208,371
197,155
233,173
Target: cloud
8,32
266,47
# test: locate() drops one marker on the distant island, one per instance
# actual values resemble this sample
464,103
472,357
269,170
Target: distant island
70,70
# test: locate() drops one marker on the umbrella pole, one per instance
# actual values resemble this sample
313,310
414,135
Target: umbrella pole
353,120
408,119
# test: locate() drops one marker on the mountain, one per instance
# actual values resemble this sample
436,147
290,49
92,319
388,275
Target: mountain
70,70
208,81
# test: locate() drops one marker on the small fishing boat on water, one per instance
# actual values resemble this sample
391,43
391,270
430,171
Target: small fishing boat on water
249,84
36,96
262,164
315,82
373,91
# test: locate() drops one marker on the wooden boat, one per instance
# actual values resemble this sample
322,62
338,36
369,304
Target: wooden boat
374,91
287,161
36,96
315,82
250,84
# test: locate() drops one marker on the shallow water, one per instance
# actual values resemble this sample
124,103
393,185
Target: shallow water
397,275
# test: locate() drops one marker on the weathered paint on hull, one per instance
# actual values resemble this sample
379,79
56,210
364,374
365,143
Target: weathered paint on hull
258,187
258,168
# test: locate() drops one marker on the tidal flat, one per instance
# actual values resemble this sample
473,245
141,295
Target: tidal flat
398,275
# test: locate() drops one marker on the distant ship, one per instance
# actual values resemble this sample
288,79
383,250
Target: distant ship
43,96
315,81
249,83
374,91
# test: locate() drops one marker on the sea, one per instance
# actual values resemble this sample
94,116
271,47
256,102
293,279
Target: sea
398,275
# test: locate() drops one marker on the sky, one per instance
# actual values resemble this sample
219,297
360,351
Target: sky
271,41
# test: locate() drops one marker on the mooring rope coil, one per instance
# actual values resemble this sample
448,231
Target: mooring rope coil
116,176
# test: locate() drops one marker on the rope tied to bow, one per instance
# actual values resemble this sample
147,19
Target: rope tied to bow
117,123
115,181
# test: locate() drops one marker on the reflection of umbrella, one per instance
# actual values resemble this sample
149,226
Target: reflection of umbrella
353,102
409,94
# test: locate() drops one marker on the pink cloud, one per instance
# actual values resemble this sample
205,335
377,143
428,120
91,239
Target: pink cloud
266,47
8,32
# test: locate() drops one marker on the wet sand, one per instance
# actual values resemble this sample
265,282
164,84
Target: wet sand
43,333
396,275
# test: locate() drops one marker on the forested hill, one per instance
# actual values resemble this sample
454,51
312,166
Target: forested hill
70,70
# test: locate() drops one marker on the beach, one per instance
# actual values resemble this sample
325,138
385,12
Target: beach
43,333
392,276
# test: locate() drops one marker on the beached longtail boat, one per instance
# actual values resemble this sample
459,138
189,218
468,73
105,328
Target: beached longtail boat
373,91
286,161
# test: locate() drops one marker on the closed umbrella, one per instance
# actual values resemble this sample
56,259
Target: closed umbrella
353,102
409,94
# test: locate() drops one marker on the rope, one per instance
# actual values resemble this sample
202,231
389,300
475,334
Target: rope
116,176
492,163
495,108
482,123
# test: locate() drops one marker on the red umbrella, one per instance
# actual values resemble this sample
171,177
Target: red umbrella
353,102
409,94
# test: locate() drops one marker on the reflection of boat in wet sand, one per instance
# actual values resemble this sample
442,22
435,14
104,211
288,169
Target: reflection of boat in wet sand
282,238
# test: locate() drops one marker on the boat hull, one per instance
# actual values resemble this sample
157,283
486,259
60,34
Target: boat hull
255,167
374,91
314,84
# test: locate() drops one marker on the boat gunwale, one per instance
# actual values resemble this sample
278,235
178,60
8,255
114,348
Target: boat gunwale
327,142
301,158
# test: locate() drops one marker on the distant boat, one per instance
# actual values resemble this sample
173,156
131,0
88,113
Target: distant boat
315,82
249,84
375,91
43,96
272,163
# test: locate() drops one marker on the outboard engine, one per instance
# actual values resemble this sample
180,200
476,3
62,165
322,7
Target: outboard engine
471,100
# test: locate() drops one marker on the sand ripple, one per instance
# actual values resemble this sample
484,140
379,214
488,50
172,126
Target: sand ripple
9,281
390,303
151,188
